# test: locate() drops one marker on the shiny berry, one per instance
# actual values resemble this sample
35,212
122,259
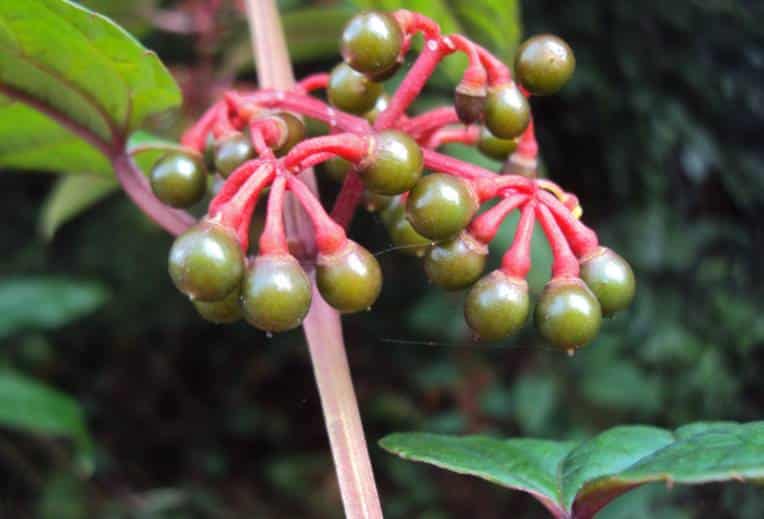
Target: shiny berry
439,206
374,202
276,293
507,112
206,262
337,169
350,279
371,42
295,132
380,105
497,306
493,147
469,104
231,152
402,234
386,74
395,164
209,153
179,180
351,91
611,279
544,64
225,311
457,263
568,315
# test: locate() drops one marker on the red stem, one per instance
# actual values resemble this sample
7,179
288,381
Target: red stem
497,71
237,212
582,239
517,260
438,162
474,77
485,226
430,121
463,135
273,239
330,236
347,199
232,185
313,82
564,262
346,145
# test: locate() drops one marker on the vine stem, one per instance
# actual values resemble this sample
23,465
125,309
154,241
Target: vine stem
322,326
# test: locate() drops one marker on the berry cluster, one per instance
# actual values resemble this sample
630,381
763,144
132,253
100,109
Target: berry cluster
256,142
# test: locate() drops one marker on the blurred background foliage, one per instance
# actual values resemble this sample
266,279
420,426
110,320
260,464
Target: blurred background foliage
118,402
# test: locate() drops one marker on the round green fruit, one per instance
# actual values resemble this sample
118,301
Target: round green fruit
395,164
497,306
439,206
350,279
507,112
179,180
337,168
402,234
206,262
611,279
351,91
371,42
276,293
493,147
568,315
544,63
225,311
231,152
457,263
375,203
469,105
295,132
380,106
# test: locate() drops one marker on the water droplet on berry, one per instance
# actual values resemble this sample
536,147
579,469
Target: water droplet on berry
432,45
269,335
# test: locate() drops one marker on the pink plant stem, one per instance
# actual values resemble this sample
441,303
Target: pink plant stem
346,145
273,239
313,82
322,327
330,236
582,239
430,121
564,262
438,162
463,135
485,226
517,260
347,200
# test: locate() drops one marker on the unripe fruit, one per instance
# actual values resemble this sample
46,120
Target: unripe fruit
351,91
209,153
497,306
225,311
457,263
544,64
374,202
469,104
568,315
276,293
179,180
206,262
337,169
371,42
386,74
350,279
402,234
493,147
295,132
611,279
380,105
439,206
395,164
507,112
232,152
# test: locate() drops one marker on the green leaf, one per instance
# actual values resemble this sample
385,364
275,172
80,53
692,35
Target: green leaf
75,62
42,303
28,405
577,480
71,196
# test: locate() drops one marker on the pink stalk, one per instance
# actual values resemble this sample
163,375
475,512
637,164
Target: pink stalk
322,327
330,236
347,200
429,121
517,260
346,145
461,134
582,239
273,239
485,226
313,82
564,262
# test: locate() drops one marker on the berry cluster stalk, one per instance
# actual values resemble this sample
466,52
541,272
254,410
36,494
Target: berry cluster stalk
322,326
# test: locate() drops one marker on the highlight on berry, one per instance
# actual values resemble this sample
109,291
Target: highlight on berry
435,207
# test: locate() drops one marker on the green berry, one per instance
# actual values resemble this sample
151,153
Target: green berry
371,42
611,279
232,152
375,203
276,293
497,306
402,234
469,104
295,132
380,105
206,262
395,164
439,206
457,263
351,91
568,315
225,311
179,180
493,147
337,169
350,279
544,64
386,74
507,112
209,153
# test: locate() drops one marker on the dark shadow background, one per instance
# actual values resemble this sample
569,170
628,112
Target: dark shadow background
660,135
